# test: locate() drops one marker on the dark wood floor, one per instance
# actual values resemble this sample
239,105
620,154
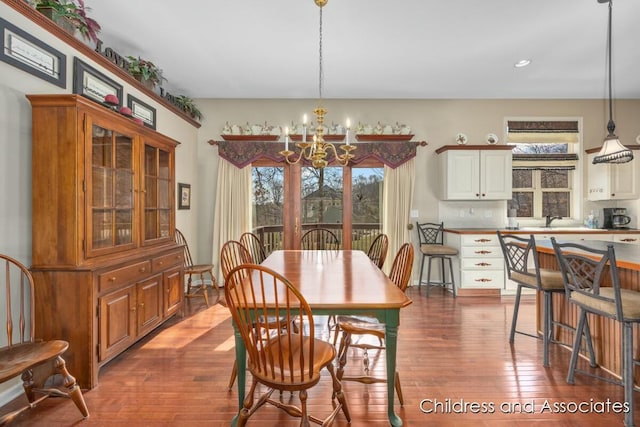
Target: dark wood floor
450,350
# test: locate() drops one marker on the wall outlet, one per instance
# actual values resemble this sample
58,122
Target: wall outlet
414,213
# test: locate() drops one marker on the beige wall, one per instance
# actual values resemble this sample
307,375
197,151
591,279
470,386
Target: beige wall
434,121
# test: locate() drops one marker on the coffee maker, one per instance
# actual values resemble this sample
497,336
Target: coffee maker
616,218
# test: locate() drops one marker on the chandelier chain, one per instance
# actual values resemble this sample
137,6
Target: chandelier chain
320,69
609,43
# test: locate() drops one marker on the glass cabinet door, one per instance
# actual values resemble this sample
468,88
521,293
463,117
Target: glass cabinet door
158,187
110,222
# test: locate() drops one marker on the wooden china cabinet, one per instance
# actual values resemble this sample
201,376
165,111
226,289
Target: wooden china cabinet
106,267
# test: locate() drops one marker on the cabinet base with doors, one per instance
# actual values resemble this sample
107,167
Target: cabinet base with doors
475,172
612,181
106,266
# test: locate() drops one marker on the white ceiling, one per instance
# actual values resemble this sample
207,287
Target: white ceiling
380,48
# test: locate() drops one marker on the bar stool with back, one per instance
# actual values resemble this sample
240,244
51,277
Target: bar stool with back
431,236
519,253
592,283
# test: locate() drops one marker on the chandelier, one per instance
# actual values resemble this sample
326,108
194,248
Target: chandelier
612,150
317,151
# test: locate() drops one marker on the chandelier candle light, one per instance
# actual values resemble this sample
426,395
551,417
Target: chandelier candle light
612,150
318,150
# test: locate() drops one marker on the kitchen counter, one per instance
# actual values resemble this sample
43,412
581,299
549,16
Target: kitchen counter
543,230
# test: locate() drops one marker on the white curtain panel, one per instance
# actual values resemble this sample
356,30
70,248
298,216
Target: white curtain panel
397,199
232,208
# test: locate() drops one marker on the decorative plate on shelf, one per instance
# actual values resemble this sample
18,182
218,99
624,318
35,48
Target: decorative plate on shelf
250,137
461,139
376,137
492,138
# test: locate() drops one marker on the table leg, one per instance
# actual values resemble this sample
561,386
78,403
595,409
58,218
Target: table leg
392,319
241,360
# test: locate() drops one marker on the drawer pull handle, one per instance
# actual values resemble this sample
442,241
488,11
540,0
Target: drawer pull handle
482,240
483,280
141,304
142,270
628,240
160,262
483,252
112,279
483,264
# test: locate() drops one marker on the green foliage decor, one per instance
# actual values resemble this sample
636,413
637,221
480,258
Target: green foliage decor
75,13
187,105
144,70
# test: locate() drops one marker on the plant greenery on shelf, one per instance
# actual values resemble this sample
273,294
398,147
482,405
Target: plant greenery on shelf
144,70
187,105
75,13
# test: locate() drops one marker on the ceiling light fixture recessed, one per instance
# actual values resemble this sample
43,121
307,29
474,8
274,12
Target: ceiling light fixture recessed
522,63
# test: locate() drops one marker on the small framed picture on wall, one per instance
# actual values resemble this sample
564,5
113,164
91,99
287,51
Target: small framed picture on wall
184,196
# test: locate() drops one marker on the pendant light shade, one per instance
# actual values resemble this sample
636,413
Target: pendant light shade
612,150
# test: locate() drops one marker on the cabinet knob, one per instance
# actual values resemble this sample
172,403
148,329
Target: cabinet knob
142,270
160,262
483,195
112,279
133,308
477,195
141,304
613,194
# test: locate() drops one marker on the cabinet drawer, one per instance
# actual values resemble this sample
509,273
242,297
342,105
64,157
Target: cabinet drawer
131,273
482,264
634,239
165,261
481,252
480,240
482,279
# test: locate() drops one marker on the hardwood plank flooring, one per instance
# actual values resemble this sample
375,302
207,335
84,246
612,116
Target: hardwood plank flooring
450,351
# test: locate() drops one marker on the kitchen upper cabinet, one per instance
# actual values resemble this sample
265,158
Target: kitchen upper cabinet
612,181
106,266
475,172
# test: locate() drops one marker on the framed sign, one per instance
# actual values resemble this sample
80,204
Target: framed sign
29,54
90,83
143,111
184,196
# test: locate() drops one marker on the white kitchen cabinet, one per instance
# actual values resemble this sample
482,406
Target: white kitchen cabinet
480,264
475,172
611,181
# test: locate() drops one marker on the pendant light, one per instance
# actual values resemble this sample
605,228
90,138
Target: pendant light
612,150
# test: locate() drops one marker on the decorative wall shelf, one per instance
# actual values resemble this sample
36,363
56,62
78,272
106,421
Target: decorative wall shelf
250,137
384,137
333,138
38,18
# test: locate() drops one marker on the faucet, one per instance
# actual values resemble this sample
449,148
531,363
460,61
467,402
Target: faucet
549,219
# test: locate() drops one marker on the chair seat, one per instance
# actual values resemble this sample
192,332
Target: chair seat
427,249
19,358
198,268
323,354
630,302
549,279
361,325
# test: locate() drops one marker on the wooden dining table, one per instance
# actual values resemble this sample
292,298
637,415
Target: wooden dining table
336,282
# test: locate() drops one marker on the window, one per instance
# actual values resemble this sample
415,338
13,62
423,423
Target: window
544,163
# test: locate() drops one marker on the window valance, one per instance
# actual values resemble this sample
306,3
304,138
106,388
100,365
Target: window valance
243,153
544,131
551,161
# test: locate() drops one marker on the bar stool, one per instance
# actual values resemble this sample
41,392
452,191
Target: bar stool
518,253
592,283
432,246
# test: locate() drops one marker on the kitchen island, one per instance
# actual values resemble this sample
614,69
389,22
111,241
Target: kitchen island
479,267
606,333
